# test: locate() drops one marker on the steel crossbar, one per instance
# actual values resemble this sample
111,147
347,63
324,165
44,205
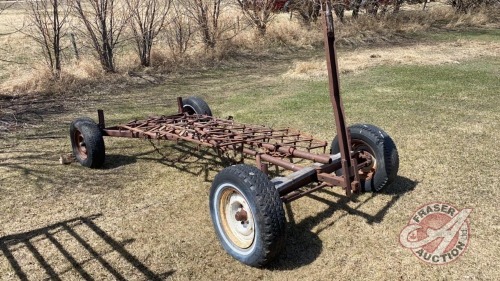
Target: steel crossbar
220,134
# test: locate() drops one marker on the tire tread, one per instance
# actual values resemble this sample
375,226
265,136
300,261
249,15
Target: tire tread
269,205
96,150
382,142
199,105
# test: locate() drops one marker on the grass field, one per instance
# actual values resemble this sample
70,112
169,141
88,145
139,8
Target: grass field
145,215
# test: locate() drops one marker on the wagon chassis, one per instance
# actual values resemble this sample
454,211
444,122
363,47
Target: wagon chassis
266,145
246,205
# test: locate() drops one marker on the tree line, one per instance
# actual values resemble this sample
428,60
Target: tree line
106,24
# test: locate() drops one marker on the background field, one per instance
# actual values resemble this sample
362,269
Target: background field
145,215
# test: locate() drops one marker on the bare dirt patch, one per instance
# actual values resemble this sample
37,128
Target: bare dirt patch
419,54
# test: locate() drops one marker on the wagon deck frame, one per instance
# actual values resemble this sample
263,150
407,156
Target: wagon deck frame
265,144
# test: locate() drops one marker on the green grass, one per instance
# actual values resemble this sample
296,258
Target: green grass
444,120
482,34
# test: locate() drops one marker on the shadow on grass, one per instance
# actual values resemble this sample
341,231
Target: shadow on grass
43,171
23,111
397,189
115,160
189,159
29,243
304,246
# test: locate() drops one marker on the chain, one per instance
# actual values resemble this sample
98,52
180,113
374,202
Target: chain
156,148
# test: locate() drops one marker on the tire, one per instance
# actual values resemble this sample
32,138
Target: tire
196,105
258,235
380,146
84,120
87,143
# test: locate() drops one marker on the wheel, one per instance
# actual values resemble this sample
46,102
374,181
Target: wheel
84,119
87,142
196,105
247,214
375,144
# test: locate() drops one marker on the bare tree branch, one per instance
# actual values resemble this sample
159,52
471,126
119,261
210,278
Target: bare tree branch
3,9
7,6
179,30
308,10
206,14
259,12
147,21
104,22
47,20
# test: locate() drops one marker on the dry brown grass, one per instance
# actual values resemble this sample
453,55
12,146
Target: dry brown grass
153,211
411,19
283,35
417,54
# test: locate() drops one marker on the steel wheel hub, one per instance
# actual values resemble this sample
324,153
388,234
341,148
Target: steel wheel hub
80,145
237,218
365,154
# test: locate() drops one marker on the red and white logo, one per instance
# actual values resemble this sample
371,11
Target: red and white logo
437,233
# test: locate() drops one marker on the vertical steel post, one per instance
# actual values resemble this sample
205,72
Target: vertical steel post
343,135
180,105
100,116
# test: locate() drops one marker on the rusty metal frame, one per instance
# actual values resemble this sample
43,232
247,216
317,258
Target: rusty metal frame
267,146
352,181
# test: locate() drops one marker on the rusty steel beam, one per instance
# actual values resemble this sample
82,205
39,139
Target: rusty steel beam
343,135
299,194
273,160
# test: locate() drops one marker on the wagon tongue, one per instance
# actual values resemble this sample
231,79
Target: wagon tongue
349,163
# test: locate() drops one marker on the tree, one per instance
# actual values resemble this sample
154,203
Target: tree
179,30
340,6
104,22
467,6
147,20
47,19
259,12
206,14
308,10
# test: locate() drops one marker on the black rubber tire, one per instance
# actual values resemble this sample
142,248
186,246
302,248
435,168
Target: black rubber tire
382,148
266,209
84,119
87,142
196,105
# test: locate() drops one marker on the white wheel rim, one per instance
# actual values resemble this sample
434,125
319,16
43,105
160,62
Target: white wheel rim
236,218
190,107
